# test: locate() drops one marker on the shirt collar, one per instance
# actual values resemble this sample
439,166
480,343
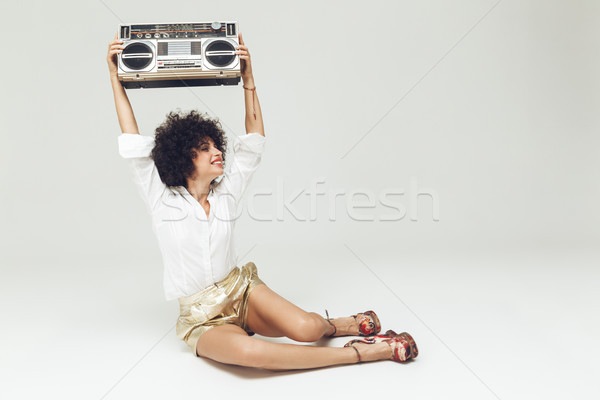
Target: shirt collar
185,193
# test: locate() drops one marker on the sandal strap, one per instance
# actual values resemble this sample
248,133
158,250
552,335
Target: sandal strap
357,353
331,323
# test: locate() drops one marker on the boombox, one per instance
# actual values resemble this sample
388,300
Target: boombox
170,55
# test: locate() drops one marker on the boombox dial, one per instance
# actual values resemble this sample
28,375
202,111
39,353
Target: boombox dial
137,55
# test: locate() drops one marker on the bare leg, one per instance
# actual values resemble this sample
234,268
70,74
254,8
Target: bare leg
271,315
230,344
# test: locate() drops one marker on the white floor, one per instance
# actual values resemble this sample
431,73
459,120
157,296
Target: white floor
495,325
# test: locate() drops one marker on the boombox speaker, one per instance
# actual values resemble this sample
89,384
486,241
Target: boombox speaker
172,55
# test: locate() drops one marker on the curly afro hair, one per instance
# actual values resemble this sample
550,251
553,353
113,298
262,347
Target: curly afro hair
175,141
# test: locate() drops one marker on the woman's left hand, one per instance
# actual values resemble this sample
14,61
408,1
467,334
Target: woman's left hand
246,64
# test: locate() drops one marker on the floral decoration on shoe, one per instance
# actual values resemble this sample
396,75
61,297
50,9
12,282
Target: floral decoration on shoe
368,323
403,345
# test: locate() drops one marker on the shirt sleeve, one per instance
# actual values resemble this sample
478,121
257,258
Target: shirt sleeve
136,149
248,150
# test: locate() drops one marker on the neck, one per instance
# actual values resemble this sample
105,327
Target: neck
199,190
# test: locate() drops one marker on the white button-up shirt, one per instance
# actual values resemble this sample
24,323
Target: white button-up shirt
197,250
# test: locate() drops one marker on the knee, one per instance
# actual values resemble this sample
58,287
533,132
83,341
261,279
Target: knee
252,354
310,328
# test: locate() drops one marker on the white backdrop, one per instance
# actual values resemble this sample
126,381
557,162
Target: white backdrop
496,116
488,110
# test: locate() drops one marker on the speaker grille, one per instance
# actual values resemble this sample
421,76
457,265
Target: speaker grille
220,60
136,62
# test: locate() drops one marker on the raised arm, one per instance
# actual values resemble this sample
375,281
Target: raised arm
124,111
254,121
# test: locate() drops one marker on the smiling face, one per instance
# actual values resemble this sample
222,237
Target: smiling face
208,160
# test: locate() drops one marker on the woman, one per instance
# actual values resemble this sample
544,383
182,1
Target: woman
222,305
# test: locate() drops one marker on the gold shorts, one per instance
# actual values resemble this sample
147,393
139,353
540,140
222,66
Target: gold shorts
225,302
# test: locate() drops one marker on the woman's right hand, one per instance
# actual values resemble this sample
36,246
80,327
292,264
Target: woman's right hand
115,47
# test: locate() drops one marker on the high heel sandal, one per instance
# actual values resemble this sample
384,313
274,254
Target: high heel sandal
368,323
403,345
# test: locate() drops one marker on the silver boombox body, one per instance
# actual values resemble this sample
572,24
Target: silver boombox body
175,54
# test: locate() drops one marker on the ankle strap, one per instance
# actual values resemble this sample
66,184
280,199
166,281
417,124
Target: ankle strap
330,323
357,353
